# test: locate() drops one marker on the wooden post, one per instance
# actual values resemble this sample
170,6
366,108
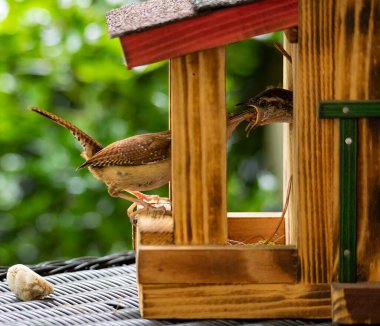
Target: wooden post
316,159
289,77
339,51
198,122
358,75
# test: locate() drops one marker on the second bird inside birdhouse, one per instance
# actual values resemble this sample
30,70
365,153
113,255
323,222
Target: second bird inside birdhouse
255,164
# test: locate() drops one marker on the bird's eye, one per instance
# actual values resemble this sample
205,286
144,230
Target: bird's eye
263,102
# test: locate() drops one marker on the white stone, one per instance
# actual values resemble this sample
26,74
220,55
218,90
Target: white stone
26,284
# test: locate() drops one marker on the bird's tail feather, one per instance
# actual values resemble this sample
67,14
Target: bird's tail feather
89,144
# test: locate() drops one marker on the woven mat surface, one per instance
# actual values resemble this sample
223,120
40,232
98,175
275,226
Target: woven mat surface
95,291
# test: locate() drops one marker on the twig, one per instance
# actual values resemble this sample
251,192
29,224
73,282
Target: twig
283,211
280,48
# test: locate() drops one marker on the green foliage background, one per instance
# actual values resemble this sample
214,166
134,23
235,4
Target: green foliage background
57,55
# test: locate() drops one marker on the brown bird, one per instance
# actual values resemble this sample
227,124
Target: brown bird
271,106
143,162
134,164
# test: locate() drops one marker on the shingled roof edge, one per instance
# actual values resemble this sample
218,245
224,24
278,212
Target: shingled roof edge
139,15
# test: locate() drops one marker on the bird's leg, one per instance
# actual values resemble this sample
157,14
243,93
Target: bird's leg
130,198
131,213
149,198
115,192
136,201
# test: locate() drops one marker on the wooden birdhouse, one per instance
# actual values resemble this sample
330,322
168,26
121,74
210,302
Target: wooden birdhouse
329,265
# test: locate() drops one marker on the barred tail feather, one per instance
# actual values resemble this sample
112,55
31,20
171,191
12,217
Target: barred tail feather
90,145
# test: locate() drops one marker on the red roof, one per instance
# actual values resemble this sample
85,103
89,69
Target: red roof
156,30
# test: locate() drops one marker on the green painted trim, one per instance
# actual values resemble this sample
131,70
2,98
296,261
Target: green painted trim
348,112
356,109
347,200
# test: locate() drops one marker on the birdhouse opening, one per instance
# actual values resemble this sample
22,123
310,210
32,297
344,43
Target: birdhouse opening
256,184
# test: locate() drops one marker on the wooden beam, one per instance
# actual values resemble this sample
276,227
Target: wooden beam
289,79
217,264
186,301
206,31
356,303
359,79
339,51
316,154
250,228
198,122
154,228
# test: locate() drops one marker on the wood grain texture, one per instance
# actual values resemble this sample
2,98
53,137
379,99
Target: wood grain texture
357,76
244,228
356,303
339,50
198,122
252,228
207,31
154,230
216,264
368,219
315,154
235,301
360,29
289,78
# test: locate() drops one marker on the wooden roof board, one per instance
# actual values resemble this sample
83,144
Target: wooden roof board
140,16
212,29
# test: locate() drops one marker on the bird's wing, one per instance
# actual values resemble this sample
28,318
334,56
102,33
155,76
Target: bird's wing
136,150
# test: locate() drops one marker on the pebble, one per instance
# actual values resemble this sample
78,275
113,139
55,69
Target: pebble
26,284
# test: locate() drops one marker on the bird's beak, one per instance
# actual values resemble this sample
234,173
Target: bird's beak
253,123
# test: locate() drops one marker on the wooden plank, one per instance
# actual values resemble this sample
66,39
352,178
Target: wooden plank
255,227
245,228
356,303
356,77
198,122
216,29
289,78
217,264
368,206
153,229
253,215
186,301
316,152
363,82
339,51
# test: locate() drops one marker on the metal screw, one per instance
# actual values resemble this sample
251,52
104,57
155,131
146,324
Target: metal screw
346,253
345,110
348,140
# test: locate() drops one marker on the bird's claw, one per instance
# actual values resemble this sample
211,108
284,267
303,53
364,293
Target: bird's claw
150,198
133,211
